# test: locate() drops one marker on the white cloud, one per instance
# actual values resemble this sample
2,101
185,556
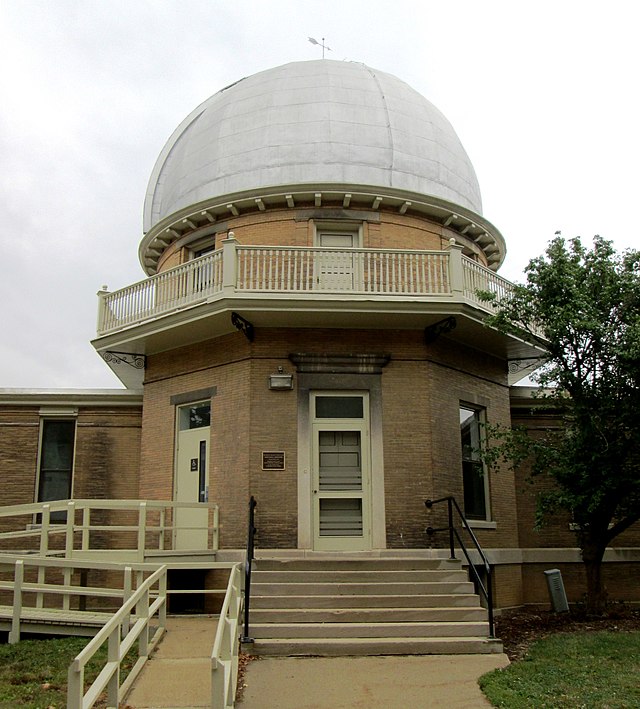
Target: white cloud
543,95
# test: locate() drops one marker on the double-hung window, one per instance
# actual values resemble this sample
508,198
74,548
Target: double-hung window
55,474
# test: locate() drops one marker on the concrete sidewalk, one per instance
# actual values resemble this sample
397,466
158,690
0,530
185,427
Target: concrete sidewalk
390,682
178,676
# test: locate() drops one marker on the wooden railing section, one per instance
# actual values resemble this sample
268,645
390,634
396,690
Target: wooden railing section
63,592
118,529
226,646
241,271
128,626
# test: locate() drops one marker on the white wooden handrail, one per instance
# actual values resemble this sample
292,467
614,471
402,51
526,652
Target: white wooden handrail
61,587
226,646
150,521
245,270
121,638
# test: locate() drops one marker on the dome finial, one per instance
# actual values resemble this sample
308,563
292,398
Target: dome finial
320,44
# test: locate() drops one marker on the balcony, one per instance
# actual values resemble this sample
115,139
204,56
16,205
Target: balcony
277,286
308,273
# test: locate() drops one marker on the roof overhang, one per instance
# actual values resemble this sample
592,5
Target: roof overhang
212,215
213,319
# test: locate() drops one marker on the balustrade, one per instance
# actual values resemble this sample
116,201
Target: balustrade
238,270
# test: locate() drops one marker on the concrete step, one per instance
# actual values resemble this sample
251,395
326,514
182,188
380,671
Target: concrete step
365,606
356,564
368,630
366,588
359,576
343,647
290,602
366,615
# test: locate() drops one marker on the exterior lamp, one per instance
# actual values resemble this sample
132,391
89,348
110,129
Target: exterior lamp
281,381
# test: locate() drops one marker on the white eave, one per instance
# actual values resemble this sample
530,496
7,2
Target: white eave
211,215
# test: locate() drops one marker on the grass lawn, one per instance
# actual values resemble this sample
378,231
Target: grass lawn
33,673
592,670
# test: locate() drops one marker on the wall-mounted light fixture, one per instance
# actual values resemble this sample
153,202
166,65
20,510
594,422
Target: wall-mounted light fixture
281,381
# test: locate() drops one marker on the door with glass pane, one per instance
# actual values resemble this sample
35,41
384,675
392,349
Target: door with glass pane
341,472
192,482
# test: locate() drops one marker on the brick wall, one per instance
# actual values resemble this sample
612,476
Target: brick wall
383,228
106,462
421,389
19,435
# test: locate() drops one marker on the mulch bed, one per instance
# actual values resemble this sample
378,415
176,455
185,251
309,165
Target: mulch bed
518,630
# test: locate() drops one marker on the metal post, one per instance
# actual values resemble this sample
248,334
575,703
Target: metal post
246,638
451,544
492,630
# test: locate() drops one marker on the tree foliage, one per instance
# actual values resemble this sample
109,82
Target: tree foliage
582,306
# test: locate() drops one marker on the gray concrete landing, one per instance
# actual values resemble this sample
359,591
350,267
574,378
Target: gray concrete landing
396,682
178,674
178,677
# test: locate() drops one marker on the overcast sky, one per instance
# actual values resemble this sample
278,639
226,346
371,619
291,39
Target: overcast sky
544,96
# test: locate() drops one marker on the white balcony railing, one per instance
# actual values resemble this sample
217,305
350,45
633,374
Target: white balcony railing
237,270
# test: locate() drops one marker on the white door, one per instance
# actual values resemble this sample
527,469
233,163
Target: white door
192,479
341,482
336,270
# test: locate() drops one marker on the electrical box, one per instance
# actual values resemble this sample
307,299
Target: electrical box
557,593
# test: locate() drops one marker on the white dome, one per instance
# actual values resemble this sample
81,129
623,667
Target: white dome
317,122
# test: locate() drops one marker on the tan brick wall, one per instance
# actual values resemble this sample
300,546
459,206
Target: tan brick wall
620,579
274,428
106,463
19,435
222,364
383,228
507,586
421,389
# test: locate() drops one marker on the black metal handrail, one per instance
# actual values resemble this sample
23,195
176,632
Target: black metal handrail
251,536
485,589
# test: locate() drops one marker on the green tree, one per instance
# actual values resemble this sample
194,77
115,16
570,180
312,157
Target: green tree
582,306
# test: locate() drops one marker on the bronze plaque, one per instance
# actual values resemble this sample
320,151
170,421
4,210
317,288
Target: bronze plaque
273,460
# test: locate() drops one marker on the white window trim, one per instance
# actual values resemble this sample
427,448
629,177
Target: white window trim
488,522
48,414
339,227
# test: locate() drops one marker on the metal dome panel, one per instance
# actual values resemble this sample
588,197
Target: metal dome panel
311,122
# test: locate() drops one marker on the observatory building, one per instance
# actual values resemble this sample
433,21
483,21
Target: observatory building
308,332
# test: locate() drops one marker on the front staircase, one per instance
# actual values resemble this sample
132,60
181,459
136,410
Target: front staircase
347,606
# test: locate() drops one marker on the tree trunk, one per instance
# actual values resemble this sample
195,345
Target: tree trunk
596,601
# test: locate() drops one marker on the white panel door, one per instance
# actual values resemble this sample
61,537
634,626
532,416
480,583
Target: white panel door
192,480
341,483
336,270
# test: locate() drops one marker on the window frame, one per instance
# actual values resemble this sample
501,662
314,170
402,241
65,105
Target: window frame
45,419
480,418
336,226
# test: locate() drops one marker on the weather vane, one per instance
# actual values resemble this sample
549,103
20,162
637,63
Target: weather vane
320,44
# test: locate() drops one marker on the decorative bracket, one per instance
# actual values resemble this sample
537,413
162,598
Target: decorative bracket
516,365
137,361
243,325
442,327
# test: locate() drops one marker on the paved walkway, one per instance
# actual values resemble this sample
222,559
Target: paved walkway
178,677
178,674
391,682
